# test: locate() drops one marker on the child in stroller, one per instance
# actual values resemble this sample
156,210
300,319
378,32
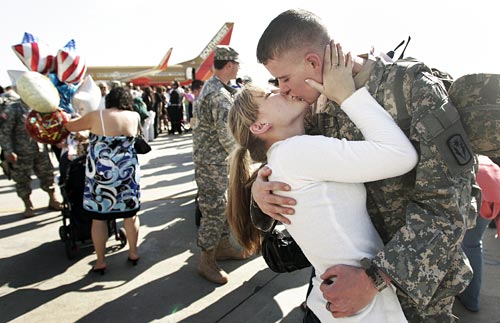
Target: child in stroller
76,226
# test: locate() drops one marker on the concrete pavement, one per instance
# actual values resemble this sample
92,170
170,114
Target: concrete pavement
39,284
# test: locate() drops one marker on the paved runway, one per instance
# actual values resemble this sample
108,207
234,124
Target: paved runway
38,283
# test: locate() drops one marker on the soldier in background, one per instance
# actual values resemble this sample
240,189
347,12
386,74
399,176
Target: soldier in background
195,88
6,98
212,145
421,216
25,155
175,108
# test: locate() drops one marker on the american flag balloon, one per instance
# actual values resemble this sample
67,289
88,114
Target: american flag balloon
34,54
71,67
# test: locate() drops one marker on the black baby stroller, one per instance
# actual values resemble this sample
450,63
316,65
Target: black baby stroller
76,225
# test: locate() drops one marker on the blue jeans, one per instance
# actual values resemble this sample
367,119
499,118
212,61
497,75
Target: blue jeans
473,248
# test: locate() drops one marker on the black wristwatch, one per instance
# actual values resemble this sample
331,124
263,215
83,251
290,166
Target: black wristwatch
372,271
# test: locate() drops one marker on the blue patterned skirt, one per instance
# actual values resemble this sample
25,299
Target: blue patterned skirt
112,178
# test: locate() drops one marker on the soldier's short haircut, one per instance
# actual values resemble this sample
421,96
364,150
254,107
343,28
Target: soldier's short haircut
291,29
218,65
197,85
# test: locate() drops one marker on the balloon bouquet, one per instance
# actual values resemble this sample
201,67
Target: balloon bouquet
54,87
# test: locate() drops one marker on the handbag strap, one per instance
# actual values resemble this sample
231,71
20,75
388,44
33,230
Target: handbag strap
273,226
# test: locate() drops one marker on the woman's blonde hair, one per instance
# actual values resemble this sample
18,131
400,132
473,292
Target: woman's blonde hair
249,149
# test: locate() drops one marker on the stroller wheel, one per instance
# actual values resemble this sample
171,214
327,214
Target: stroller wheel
63,234
122,236
71,249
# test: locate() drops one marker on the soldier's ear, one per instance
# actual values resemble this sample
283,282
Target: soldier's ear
313,60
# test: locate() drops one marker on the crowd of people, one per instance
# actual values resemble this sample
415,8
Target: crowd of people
337,167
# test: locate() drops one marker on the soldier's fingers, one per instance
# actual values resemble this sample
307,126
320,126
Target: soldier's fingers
279,201
276,186
264,172
279,217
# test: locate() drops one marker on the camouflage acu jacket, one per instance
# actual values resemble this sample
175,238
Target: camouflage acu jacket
13,134
212,142
422,215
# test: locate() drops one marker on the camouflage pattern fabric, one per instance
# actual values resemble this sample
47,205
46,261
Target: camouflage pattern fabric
477,97
421,216
212,200
212,144
32,156
5,101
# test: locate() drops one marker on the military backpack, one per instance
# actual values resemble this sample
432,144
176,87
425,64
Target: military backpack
475,96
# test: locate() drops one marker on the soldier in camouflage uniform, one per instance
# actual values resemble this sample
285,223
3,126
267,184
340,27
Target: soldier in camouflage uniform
5,100
212,144
26,155
421,216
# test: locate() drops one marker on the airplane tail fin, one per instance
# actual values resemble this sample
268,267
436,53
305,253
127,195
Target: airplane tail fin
203,63
143,76
164,61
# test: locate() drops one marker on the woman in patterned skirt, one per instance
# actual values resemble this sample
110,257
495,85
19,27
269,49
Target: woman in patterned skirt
112,171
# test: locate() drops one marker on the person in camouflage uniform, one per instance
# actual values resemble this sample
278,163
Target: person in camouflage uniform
421,216
5,100
26,155
212,144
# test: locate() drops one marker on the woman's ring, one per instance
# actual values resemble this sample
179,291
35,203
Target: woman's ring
328,306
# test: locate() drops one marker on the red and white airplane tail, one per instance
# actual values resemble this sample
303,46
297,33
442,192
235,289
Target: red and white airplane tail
203,63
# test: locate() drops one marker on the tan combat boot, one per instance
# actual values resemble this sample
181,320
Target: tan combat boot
29,211
225,250
54,204
208,268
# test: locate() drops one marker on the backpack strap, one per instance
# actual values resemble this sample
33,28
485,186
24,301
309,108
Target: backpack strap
404,120
403,69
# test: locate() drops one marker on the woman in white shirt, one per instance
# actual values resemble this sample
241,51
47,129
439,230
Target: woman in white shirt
331,223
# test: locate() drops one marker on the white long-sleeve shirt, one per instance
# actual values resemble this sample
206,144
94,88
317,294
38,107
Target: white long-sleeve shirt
331,223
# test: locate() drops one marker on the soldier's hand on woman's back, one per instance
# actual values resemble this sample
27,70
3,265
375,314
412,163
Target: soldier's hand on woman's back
269,203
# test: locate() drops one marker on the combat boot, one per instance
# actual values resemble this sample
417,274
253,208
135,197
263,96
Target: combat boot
53,203
208,268
29,211
225,251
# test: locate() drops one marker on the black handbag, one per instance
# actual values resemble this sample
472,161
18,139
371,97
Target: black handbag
141,144
281,253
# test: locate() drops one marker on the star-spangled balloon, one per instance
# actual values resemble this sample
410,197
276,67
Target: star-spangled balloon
71,66
34,54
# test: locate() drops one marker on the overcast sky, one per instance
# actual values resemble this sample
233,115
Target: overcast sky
458,37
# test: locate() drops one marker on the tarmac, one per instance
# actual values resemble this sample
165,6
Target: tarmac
38,283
